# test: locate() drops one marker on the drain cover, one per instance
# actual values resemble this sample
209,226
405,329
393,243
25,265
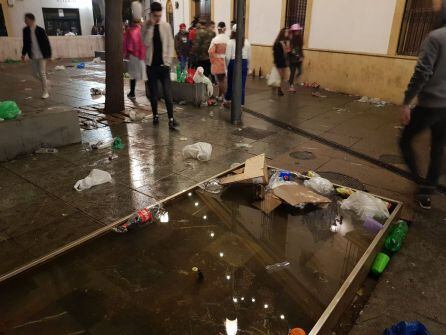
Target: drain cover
304,155
391,159
342,179
253,133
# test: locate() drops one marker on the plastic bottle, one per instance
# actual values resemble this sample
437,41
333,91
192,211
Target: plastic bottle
277,266
397,235
141,217
407,328
380,263
179,73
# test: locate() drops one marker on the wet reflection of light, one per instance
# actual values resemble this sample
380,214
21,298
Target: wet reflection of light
189,194
282,316
212,234
205,217
196,204
334,228
253,299
164,218
228,277
221,254
235,300
242,298
266,306
231,327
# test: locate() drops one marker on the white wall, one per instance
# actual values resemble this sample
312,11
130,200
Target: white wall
222,12
352,25
17,12
264,21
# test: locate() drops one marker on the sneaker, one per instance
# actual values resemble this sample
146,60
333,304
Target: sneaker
292,89
45,95
156,120
424,201
173,124
131,95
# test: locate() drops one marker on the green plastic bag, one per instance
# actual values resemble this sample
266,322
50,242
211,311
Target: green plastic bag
9,110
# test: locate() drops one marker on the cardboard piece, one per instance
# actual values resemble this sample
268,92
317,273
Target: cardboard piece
255,168
270,203
299,194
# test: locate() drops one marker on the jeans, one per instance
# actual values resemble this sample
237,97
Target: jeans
231,66
39,71
423,118
293,68
183,62
162,74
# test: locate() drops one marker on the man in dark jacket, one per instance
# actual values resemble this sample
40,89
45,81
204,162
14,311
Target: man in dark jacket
37,46
200,47
428,83
182,46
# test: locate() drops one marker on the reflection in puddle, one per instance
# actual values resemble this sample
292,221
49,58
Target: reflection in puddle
181,277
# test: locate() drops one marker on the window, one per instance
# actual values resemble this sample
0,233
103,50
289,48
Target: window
296,12
58,22
419,19
3,31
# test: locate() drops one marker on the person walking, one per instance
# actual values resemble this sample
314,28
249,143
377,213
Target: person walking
182,46
230,59
38,48
158,39
134,49
428,84
296,54
217,54
200,48
281,48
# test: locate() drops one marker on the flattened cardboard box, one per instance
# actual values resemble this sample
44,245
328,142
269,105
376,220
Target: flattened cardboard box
299,194
255,168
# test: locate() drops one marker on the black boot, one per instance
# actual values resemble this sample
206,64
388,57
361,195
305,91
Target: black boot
173,124
156,120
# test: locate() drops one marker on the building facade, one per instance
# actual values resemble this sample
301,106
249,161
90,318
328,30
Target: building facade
57,16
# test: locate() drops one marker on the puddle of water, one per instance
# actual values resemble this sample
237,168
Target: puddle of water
189,275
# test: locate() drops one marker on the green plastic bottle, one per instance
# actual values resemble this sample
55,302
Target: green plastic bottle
178,73
397,235
380,263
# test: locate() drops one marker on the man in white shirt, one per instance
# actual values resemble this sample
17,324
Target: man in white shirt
37,46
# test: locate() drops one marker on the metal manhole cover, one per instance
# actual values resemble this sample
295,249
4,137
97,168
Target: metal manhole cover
391,159
342,179
304,155
253,133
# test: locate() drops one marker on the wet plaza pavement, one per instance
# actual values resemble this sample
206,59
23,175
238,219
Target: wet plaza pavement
40,211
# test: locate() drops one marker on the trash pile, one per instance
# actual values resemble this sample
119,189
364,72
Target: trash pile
9,110
373,101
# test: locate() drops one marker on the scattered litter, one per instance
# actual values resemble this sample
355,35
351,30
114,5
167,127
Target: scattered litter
311,85
203,120
340,110
319,185
144,217
136,116
280,178
318,95
1,120
117,144
28,89
183,138
235,165
126,75
243,145
407,328
239,129
46,151
97,91
182,103
28,98
80,66
201,151
23,80
211,186
344,191
9,110
178,109
364,99
398,127
211,114
297,331
366,205
97,60
98,145
372,225
373,101
96,177
277,266
89,124
59,68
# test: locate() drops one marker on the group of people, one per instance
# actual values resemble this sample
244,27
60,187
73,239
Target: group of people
203,45
288,53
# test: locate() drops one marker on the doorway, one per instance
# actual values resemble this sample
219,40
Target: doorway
58,22
203,10
3,30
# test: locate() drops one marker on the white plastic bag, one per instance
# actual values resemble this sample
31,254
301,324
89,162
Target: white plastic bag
274,79
276,180
366,205
319,185
199,78
96,177
200,150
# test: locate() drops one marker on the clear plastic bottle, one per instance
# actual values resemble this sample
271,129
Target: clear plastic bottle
277,266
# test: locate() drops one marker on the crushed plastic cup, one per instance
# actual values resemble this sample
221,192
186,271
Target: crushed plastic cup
372,225
211,186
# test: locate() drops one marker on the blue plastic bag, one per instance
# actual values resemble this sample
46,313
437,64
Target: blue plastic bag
407,328
81,66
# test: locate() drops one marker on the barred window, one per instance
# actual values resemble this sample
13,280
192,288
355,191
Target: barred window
419,19
296,11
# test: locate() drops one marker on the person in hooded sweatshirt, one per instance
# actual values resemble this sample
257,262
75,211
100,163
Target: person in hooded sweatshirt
428,84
